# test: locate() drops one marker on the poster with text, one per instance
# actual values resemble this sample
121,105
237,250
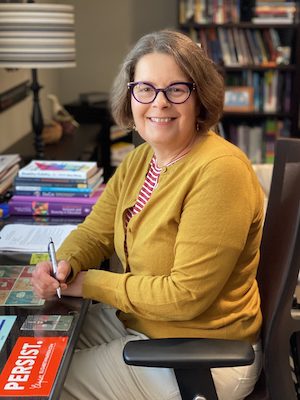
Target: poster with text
32,366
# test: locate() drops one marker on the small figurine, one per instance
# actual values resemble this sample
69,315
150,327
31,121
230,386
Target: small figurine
61,115
52,132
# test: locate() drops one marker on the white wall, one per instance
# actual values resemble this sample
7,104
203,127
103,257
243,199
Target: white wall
105,30
102,36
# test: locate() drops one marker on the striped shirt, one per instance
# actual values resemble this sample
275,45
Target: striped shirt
144,195
149,185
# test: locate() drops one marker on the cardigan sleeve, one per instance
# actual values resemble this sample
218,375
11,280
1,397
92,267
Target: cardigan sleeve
221,215
93,240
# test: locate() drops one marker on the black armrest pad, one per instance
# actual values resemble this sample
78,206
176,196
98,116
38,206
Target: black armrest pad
188,353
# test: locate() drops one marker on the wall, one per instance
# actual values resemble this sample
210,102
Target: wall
105,30
16,121
102,36
153,15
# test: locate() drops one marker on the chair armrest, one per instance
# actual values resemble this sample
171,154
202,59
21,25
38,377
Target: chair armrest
188,353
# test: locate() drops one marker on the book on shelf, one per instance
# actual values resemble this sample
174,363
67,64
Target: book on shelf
53,206
119,151
270,91
224,46
59,169
273,20
115,132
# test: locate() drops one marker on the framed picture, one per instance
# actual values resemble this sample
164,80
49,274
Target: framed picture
239,99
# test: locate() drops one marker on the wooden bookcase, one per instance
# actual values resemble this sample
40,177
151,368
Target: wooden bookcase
247,55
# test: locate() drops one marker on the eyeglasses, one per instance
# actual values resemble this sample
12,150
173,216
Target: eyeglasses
146,93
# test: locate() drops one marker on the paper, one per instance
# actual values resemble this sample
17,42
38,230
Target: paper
32,238
7,160
38,257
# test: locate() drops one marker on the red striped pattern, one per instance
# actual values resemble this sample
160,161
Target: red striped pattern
145,193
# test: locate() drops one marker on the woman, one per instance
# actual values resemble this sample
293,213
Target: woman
184,214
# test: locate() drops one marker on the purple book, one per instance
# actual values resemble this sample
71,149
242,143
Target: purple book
53,206
49,209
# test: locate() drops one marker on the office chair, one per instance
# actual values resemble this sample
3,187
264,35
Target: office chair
277,277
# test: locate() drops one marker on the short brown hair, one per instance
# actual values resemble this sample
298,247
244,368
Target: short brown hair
192,60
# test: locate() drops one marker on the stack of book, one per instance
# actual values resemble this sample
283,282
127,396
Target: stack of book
279,12
56,188
119,151
9,167
119,147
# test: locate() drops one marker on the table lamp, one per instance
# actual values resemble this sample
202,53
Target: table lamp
37,36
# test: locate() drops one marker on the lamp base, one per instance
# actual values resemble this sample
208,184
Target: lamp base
37,117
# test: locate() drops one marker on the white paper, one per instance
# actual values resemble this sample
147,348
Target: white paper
32,238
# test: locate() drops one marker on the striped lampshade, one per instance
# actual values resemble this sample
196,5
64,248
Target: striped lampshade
37,35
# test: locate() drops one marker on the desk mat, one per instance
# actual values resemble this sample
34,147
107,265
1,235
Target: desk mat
15,286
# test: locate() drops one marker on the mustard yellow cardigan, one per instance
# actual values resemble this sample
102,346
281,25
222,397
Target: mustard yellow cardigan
193,251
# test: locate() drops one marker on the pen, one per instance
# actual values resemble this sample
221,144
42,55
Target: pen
51,251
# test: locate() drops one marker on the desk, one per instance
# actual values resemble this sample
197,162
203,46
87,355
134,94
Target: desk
83,145
76,307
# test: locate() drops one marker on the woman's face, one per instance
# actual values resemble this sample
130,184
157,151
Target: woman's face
162,123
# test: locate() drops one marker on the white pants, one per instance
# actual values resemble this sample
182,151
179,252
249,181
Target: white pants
98,372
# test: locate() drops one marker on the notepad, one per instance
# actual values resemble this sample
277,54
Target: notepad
32,238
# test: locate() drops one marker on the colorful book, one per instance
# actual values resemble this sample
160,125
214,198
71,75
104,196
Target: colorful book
49,209
71,183
49,191
59,169
53,206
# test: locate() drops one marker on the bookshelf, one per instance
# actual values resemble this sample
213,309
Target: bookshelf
255,45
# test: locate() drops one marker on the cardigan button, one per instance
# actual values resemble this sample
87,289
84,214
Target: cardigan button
164,169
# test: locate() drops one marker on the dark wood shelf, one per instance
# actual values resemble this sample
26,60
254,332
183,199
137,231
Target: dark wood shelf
82,145
256,114
290,67
243,25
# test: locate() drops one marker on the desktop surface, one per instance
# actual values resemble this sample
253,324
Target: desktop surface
82,145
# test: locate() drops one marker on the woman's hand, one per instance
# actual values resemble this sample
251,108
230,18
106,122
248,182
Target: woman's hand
44,284
74,288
